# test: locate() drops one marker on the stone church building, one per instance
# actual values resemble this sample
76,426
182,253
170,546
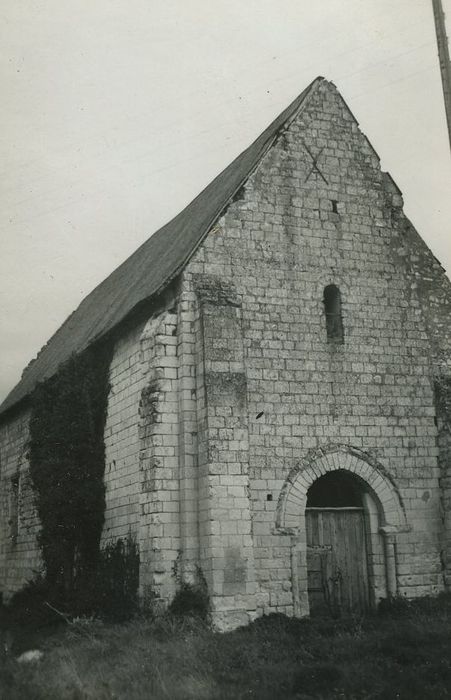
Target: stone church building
275,420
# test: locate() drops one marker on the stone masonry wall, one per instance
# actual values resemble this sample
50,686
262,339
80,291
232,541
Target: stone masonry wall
19,554
141,435
216,399
319,211
122,475
141,438
159,533
434,291
226,554
443,408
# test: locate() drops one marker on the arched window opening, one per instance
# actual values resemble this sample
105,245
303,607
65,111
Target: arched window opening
337,489
332,308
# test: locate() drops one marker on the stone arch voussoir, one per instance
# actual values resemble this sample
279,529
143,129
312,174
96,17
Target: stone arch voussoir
293,496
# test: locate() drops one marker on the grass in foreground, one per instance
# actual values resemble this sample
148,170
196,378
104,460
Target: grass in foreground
404,653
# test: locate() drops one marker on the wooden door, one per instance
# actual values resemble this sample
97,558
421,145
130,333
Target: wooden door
337,567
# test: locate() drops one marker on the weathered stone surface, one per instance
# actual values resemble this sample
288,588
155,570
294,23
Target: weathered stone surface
227,406
292,232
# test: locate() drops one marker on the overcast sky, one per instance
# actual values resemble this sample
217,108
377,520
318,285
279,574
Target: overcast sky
116,113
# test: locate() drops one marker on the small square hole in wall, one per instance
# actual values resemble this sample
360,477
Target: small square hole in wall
334,206
269,496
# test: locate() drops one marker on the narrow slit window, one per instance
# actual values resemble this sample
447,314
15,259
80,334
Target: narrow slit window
332,308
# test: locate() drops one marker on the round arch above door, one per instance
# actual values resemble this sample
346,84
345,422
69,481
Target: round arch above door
368,524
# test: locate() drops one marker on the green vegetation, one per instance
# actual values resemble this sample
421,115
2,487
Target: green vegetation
191,599
112,593
403,652
67,463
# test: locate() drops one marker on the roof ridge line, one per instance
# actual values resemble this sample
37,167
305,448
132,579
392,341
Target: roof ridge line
309,91
154,264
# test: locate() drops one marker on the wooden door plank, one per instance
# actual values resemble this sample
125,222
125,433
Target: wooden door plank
338,574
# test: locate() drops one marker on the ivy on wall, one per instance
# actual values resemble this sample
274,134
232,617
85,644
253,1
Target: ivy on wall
67,461
442,389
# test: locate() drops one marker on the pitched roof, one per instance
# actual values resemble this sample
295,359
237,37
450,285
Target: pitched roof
145,273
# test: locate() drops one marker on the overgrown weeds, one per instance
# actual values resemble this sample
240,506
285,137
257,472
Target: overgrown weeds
112,593
404,652
191,600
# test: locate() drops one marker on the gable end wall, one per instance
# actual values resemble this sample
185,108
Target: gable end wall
218,397
279,244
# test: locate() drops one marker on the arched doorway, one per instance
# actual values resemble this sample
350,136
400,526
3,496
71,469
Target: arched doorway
337,556
371,488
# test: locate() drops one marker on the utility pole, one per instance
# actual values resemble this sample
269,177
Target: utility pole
445,64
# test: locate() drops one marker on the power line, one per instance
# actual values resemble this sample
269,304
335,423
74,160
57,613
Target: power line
443,53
